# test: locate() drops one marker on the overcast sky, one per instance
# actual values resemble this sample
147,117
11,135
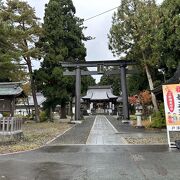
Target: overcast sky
98,27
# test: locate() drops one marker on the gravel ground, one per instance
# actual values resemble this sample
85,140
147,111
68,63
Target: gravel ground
78,134
126,128
140,135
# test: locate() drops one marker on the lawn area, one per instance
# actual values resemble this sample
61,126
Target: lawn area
35,135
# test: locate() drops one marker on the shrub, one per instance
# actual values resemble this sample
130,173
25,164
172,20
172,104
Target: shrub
19,115
133,117
158,118
6,114
43,116
146,123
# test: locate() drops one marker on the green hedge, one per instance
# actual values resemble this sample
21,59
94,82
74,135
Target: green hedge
158,118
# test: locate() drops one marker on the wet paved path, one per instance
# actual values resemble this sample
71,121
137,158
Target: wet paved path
103,133
78,134
92,162
89,162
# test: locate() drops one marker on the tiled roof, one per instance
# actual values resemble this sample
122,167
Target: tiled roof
40,99
99,87
99,93
10,89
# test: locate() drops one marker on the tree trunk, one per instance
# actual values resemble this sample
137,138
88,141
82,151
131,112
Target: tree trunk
33,89
63,111
27,106
51,114
71,106
154,101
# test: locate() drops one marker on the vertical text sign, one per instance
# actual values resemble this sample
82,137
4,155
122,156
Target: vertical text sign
171,95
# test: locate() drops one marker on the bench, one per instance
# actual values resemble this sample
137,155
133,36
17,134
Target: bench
11,126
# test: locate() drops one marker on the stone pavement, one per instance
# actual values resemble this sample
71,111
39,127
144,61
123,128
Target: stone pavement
103,133
78,134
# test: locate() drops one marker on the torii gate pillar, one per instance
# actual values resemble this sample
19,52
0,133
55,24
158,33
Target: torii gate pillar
78,93
124,93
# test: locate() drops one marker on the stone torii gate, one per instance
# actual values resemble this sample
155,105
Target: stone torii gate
121,63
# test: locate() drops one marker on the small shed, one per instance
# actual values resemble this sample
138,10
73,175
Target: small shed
9,92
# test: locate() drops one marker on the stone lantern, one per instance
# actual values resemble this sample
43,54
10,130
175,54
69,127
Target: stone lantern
138,114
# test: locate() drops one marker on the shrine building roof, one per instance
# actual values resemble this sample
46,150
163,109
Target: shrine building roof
99,93
10,89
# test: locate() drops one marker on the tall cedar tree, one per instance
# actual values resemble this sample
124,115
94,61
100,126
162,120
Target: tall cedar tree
133,33
62,41
26,32
9,68
5,54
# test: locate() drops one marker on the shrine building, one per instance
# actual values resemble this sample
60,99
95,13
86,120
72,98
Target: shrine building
100,100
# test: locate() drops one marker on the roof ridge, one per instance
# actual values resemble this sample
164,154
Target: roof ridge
100,87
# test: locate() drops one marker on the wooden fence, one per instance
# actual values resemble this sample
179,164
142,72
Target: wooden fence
10,126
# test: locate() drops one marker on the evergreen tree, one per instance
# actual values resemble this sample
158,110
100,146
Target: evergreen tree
113,80
25,32
137,81
169,33
9,62
62,41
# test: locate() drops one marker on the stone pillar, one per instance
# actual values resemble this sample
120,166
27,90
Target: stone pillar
124,93
91,106
139,121
110,105
78,93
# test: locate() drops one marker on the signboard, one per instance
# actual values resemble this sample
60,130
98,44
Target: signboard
171,95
